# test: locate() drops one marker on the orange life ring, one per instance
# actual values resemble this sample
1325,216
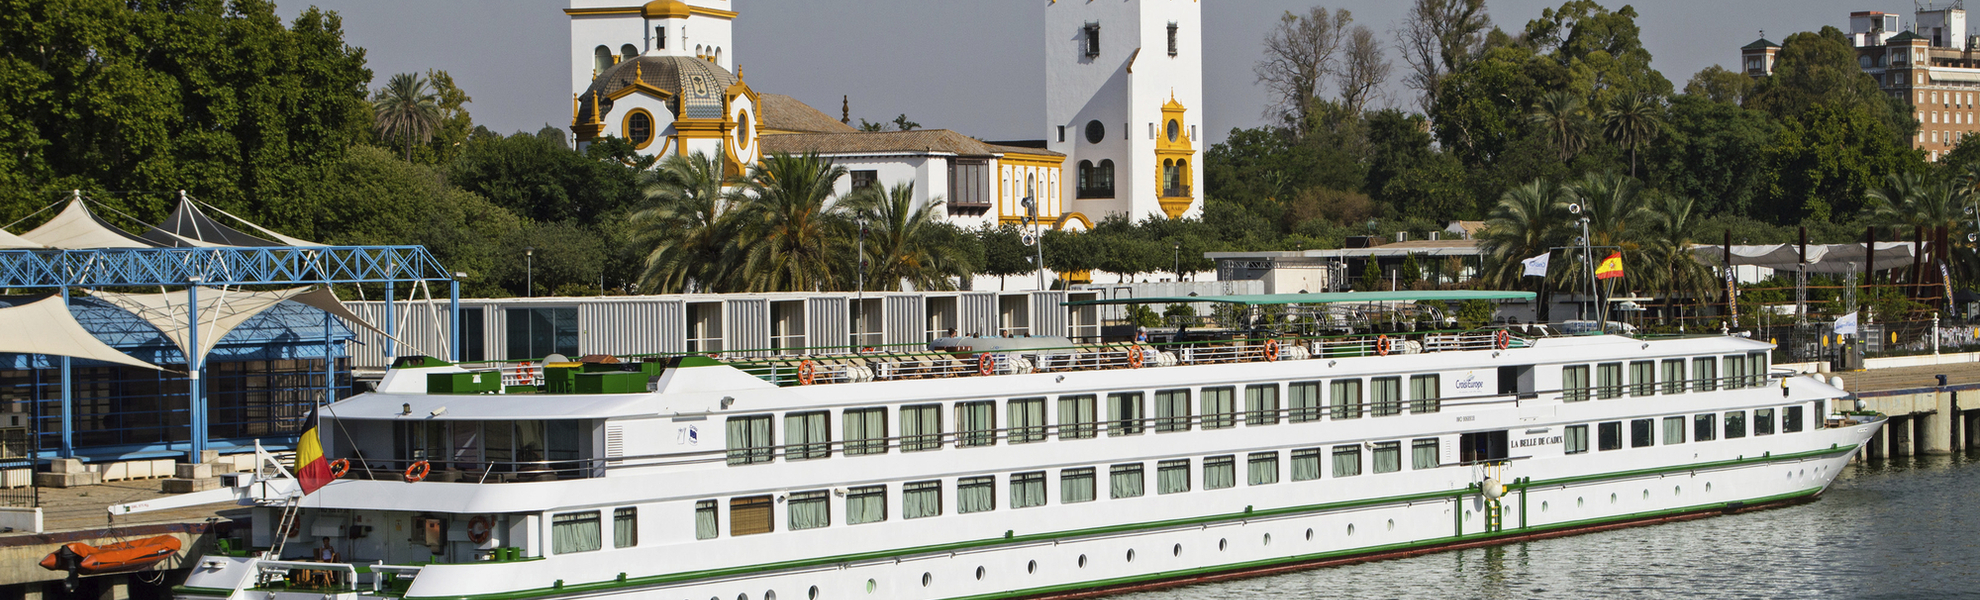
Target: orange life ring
1271,350
1134,357
807,372
418,471
339,467
985,364
478,529
1382,345
1503,338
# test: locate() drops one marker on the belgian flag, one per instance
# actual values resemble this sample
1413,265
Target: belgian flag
312,469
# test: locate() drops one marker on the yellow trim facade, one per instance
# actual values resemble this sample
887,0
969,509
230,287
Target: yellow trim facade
652,128
1014,166
640,10
1174,150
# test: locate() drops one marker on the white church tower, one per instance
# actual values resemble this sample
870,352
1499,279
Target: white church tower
659,76
1124,101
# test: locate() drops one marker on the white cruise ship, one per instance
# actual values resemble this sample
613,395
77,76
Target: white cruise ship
1024,468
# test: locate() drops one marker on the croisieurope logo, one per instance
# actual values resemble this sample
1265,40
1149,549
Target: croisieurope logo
1470,383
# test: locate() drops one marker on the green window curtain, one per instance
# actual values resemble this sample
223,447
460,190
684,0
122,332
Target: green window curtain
575,532
625,527
1423,454
976,494
921,499
1219,472
1424,393
1756,369
1673,430
806,436
865,430
1674,376
1705,372
1171,411
1261,405
1076,417
866,504
1172,476
1262,468
1303,401
1027,420
1124,413
706,525
976,422
1076,485
1347,461
1306,464
810,510
1388,457
1643,378
1124,481
921,428
1574,439
1385,396
1345,395
1608,380
749,441
1574,383
1028,489
1735,372
1219,408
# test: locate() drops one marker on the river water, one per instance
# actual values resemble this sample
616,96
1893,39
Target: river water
1901,528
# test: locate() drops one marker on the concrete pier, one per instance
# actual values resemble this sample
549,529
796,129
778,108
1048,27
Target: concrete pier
1926,416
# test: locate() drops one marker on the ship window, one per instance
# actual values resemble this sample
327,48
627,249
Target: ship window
806,436
575,532
1424,391
1704,428
1171,411
1124,481
1219,408
1608,380
1674,376
1388,457
1027,420
1028,489
1643,378
810,510
1791,419
1077,417
976,494
1642,432
1306,464
1345,396
1172,476
1347,461
1385,396
534,333
1705,371
921,427
1735,371
1303,401
1574,439
1756,362
1262,468
1673,430
749,440
1763,421
921,499
706,519
1219,472
1483,446
1076,485
1423,454
625,527
976,423
1735,424
865,431
1608,436
1124,413
1261,405
1574,383
866,504
750,515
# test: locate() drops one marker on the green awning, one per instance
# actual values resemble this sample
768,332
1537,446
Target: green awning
1258,299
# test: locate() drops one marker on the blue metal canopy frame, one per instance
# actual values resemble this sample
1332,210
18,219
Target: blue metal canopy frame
223,266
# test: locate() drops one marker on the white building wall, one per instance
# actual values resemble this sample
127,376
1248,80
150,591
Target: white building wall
615,29
1081,89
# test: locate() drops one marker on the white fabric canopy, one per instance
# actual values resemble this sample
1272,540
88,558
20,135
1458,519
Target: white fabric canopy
10,241
1822,258
46,327
75,228
324,299
220,311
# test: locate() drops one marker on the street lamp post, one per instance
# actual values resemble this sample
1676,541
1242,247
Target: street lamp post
1178,262
529,281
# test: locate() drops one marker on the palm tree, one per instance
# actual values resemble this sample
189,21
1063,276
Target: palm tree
1561,114
786,229
1632,123
1929,203
406,108
1528,221
687,226
901,246
1618,219
1668,251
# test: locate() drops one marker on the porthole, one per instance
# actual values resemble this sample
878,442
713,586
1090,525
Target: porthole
1578,502
1612,497
1677,490
1223,545
1392,524
1790,476
1177,551
872,585
979,573
1708,487
1309,534
1467,515
813,594
1350,529
1095,132
927,579
769,595
1646,494
1543,506
1031,567
743,596
1130,555
1082,561
1268,539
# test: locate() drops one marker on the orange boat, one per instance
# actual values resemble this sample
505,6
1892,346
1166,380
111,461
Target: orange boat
111,558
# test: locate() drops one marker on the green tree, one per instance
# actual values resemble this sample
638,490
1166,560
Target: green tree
1717,84
1410,273
1822,161
1619,219
903,243
540,177
1713,152
685,229
1818,71
1565,119
406,109
1632,122
787,229
1371,276
1528,221
1004,252
374,197
1667,251
455,123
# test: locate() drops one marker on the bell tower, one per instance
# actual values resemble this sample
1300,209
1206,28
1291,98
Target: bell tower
1124,96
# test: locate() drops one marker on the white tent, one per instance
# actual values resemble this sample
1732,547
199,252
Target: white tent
1822,258
220,311
45,326
75,228
10,241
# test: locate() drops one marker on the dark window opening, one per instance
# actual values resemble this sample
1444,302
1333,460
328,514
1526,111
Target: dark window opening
1092,40
538,332
1096,181
1641,433
1482,446
1608,436
969,186
864,179
1172,39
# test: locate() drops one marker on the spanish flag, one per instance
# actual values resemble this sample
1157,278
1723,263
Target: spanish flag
1610,268
312,470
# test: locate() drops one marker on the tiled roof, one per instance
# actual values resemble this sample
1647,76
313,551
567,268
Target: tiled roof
1904,37
1760,44
697,85
784,113
917,141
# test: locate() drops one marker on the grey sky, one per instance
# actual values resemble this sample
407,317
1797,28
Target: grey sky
976,67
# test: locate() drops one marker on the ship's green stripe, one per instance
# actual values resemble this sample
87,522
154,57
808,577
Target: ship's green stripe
1188,521
183,590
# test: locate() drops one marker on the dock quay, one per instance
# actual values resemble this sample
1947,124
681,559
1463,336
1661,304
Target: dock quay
1933,408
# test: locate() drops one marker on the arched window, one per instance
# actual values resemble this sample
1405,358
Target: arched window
1085,177
601,57
1171,179
718,55
1100,182
627,52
